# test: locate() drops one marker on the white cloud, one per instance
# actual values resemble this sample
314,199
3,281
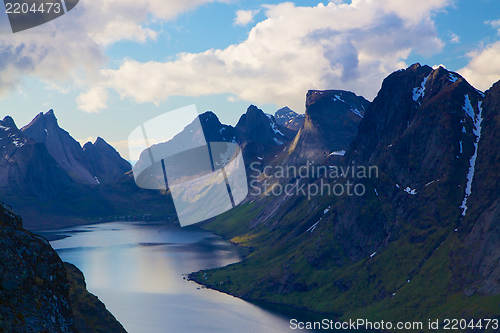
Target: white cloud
495,24
454,38
338,46
82,142
93,101
71,48
484,67
243,17
437,66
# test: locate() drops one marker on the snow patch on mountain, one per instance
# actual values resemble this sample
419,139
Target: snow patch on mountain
477,120
337,98
274,126
469,110
338,153
16,141
431,182
419,92
356,112
452,77
410,191
311,228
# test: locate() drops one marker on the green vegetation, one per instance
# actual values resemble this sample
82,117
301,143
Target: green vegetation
410,280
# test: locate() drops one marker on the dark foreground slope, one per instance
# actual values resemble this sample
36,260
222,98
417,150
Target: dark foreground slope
419,244
34,288
90,314
36,295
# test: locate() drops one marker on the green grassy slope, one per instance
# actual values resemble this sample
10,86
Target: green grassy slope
410,280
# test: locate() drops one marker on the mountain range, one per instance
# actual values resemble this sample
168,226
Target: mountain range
47,177
419,242
414,240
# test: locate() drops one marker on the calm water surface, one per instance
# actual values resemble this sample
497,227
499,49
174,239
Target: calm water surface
137,269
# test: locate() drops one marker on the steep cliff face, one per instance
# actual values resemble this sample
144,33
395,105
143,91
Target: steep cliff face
40,293
33,285
419,241
91,315
420,132
476,264
331,123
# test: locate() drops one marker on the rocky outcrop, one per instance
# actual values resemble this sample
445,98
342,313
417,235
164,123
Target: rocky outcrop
40,293
256,126
91,315
33,286
331,123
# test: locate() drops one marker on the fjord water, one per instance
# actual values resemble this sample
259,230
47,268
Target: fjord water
137,270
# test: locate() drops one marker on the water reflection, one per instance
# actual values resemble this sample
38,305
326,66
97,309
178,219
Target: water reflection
137,269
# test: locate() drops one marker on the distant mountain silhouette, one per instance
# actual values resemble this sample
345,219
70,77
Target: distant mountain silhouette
94,164
289,119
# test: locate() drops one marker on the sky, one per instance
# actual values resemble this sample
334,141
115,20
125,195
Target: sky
108,66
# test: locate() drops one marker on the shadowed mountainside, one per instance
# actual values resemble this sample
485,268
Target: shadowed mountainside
419,243
35,293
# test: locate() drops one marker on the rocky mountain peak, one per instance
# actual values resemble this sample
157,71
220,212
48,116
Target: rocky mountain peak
404,98
214,130
104,162
256,126
94,164
284,115
62,147
315,99
99,141
331,123
38,128
8,122
290,119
